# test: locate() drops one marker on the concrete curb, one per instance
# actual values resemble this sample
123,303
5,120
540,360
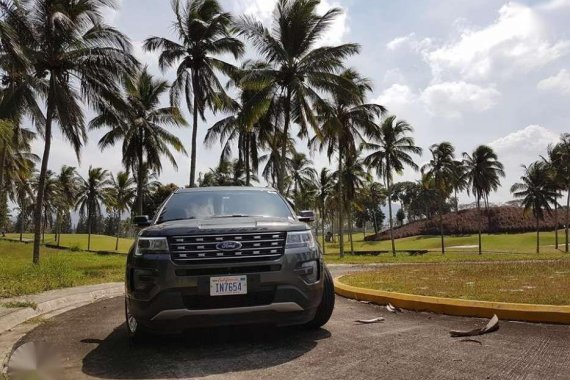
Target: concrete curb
48,304
459,307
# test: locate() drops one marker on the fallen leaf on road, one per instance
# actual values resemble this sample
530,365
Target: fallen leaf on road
365,302
368,321
471,341
492,326
393,309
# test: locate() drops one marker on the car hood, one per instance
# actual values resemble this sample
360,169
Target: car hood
223,225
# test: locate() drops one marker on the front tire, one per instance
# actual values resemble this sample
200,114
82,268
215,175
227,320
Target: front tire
135,330
326,307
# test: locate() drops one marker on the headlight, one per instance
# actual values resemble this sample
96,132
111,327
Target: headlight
151,245
301,239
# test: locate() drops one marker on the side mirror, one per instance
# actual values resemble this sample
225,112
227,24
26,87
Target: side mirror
306,216
141,221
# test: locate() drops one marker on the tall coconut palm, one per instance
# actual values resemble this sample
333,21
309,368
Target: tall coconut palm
441,170
353,176
391,149
346,122
325,187
67,186
205,33
249,132
561,163
536,193
141,123
120,197
91,194
82,59
459,181
482,174
299,71
302,173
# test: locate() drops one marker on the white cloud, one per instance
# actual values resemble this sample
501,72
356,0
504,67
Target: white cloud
520,147
518,39
554,5
559,82
451,99
529,142
410,41
396,95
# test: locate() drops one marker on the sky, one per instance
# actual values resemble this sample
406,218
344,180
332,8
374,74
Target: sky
468,72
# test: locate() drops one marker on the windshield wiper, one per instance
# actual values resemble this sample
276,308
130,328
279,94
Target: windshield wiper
237,216
175,219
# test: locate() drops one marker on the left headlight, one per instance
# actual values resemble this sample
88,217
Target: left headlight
151,245
300,239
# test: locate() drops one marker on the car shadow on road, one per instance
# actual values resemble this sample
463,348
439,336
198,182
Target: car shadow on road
199,352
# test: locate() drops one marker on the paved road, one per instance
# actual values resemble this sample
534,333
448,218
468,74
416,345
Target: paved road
93,343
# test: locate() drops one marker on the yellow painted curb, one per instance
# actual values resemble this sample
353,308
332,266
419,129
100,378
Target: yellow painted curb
453,306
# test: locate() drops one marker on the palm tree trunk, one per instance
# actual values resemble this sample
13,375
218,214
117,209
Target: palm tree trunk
456,201
567,217
480,216
340,201
350,228
556,223
284,143
21,226
118,231
247,156
389,187
140,175
441,226
537,236
3,189
323,227
194,133
42,180
89,229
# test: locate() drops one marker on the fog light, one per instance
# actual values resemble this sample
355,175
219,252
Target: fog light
309,270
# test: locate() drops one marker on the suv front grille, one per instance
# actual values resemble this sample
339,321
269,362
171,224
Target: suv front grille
205,248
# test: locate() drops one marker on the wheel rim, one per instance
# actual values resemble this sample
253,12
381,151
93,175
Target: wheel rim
131,322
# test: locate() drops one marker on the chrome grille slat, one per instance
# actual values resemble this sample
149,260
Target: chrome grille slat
254,245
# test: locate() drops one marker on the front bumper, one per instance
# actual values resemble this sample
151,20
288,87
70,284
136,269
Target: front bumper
163,295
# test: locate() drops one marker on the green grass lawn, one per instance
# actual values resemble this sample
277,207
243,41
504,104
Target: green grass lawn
495,246
79,241
536,282
58,269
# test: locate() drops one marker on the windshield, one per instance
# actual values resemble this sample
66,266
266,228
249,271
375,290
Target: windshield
212,204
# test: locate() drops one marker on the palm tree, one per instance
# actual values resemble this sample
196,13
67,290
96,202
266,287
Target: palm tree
535,193
67,185
49,205
353,176
249,132
325,187
120,197
441,170
482,172
205,32
561,161
82,59
458,181
346,123
298,71
91,193
391,152
140,123
301,173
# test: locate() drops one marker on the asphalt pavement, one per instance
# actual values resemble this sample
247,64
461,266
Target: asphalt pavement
91,342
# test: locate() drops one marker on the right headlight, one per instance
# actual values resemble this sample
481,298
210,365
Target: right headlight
151,245
300,239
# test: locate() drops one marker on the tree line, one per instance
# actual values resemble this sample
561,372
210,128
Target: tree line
58,57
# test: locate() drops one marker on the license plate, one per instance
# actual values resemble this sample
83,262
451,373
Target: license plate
228,285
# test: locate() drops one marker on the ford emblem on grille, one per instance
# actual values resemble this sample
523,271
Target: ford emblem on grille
228,245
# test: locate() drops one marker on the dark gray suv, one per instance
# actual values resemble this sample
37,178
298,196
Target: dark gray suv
225,256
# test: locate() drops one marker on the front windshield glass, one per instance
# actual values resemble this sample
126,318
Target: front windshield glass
220,203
